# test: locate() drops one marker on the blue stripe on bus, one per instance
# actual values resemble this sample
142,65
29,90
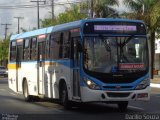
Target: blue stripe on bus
68,62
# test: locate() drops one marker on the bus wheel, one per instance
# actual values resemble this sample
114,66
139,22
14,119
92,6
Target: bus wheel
27,97
122,106
64,97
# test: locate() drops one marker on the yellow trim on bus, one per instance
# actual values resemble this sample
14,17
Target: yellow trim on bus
17,66
50,63
12,66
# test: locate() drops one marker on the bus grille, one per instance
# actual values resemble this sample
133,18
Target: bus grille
121,87
110,94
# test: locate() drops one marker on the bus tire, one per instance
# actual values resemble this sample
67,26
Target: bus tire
27,97
122,106
64,97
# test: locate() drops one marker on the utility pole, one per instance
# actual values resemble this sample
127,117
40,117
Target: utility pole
88,9
38,25
6,28
52,9
91,8
18,18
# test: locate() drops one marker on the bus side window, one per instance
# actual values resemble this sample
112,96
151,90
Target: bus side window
47,47
33,51
66,45
75,53
13,51
41,51
61,45
74,48
26,53
54,46
19,50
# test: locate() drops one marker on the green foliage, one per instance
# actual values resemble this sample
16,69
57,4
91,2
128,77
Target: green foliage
149,12
4,49
23,30
100,7
69,15
73,13
146,10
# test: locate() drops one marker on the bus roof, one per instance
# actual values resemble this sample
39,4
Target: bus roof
61,27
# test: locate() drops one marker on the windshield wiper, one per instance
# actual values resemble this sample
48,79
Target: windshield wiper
126,41
121,45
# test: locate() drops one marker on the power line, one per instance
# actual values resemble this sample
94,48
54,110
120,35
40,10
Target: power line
14,3
40,0
33,6
38,11
6,28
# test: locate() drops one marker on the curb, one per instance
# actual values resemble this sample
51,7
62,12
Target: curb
155,85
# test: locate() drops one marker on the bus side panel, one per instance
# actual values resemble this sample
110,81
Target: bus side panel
19,74
29,71
47,81
53,78
53,74
12,76
64,72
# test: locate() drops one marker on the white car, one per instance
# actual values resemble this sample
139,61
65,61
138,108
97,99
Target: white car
3,71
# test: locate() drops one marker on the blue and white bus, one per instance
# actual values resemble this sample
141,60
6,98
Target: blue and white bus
94,60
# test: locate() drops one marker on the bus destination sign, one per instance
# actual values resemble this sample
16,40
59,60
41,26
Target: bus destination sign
115,27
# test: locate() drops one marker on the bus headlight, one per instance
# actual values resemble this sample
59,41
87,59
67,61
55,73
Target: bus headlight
91,84
143,84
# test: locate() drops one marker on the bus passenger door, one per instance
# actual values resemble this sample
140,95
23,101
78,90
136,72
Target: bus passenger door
18,67
41,67
76,69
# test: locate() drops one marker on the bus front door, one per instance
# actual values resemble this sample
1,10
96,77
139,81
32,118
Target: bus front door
41,67
76,70
18,67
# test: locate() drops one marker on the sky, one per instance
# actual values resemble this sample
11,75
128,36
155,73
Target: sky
29,14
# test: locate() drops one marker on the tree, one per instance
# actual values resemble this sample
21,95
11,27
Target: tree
149,12
71,14
23,30
4,48
101,9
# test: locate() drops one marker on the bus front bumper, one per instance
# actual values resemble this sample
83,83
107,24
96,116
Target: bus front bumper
89,95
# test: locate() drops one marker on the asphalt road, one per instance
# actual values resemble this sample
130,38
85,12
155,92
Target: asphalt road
13,107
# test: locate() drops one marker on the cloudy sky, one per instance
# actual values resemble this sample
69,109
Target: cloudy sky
11,8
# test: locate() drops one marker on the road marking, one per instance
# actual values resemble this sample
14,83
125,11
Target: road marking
13,94
155,85
136,107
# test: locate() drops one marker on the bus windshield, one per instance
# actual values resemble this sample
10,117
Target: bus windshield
115,54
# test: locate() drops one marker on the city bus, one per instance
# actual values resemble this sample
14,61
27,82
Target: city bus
92,60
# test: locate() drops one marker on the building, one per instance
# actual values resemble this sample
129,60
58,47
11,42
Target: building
157,57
